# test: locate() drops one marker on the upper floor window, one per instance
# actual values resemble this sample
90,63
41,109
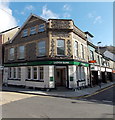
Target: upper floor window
32,30
41,48
60,47
11,54
21,52
25,33
91,55
98,60
76,48
82,51
41,28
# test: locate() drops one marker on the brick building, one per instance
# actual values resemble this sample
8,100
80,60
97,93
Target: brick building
47,54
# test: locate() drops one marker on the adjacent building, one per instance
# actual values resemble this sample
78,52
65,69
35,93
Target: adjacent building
48,54
4,37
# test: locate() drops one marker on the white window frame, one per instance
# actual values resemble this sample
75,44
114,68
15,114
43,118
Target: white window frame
19,72
40,72
36,72
61,47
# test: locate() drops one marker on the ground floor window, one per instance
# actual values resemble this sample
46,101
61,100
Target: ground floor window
29,72
80,73
14,73
35,73
41,73
19,72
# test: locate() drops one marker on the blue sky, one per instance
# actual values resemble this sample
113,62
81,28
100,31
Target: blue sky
95,17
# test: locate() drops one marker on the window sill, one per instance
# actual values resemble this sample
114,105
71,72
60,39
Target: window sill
61,55
81,80
41,56
17,79
24,36
21,58
33,80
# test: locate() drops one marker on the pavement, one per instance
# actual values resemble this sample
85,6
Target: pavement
60,92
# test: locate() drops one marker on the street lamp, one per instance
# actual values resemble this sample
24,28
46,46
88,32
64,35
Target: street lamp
99,74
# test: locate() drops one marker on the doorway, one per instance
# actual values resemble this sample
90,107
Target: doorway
60,76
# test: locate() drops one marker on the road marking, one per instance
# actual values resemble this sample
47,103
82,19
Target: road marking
95,92
107,101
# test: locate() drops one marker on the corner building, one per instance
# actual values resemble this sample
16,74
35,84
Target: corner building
47,54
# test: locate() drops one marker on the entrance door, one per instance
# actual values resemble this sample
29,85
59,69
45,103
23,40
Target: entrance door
61,77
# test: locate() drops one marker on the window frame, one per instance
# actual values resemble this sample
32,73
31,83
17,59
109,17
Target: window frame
76,49
41,29
61,47
20,52
82,51
11,55
39,48
33,30
41,73
25,33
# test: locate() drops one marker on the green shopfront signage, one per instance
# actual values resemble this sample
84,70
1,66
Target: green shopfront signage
47,63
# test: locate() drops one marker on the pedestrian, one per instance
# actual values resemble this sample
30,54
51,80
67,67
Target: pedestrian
99,82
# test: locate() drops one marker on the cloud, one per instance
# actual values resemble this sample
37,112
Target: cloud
97,19
7,20
90,15
67,7
46,13
28,8
66,15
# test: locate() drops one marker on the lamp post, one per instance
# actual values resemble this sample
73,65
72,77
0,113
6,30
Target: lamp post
99,73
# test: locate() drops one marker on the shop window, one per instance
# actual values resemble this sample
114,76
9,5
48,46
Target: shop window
19,72
34,72
82,73
21,52
11,54
25,33
29,72
10,73
41,28
41,73
41,48
14,72
32,30
60,47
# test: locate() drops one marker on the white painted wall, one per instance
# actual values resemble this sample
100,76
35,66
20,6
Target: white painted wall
5,75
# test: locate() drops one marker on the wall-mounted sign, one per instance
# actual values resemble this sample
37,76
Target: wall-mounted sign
47,63
92,61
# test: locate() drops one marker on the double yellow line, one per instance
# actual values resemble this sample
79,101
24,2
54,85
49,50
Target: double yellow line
85,96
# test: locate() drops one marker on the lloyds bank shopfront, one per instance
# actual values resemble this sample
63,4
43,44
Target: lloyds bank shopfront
47,74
